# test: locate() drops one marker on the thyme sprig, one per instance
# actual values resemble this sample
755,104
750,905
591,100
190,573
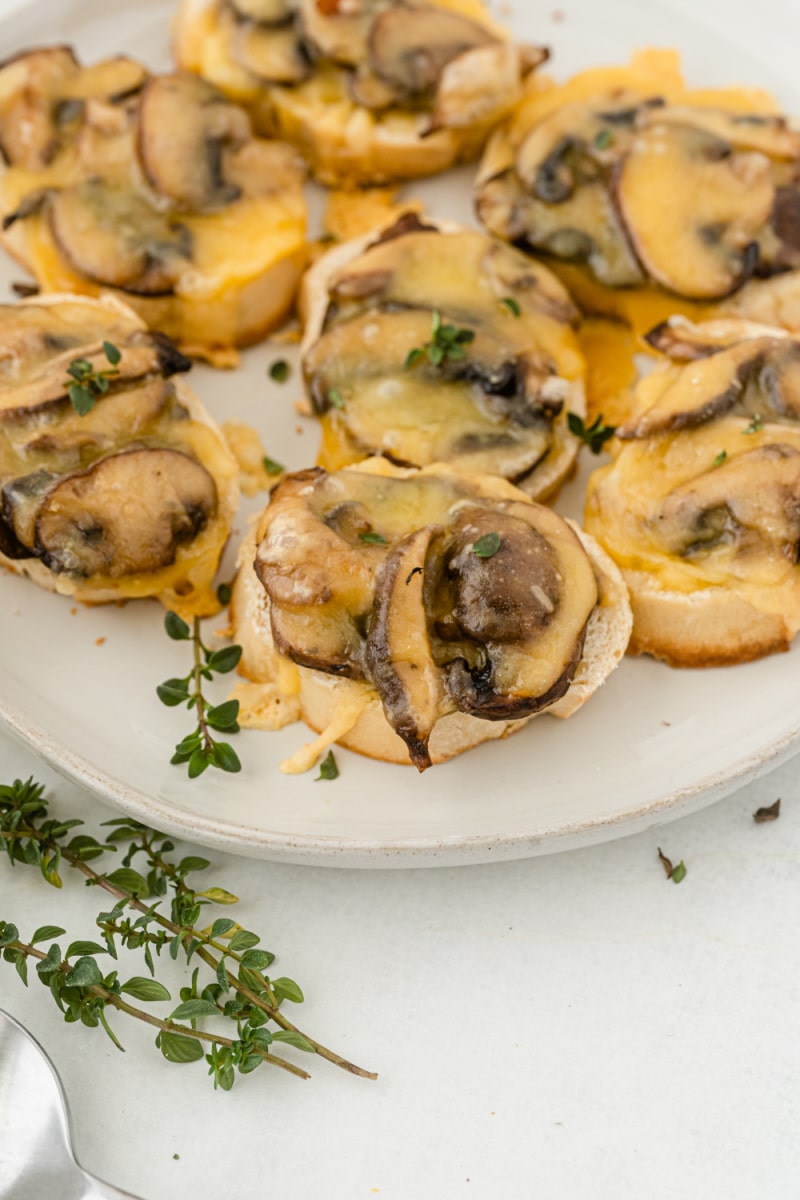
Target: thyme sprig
595,435
446,344
237,988
86,385
199,749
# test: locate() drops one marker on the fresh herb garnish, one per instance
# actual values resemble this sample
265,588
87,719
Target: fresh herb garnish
328,768
511,304
87,385
235,987
676,873
756,424
224,593
595,435
770,813
271,466
373,539
604,139
720,458
486,546
446,345
335,398
199,749
280,370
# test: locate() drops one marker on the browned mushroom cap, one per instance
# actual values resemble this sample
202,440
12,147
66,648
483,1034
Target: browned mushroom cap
114,236
751,502
185,128
411,44
398,652
756,378
517,606
683,341
128,513
338,29
29,87
694,208
272,55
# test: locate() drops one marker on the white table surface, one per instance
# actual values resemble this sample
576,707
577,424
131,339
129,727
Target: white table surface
566,1027
569,1027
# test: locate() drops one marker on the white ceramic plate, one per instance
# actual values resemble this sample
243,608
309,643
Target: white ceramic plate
652,745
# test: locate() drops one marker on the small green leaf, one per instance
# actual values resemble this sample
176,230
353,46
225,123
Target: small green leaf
328,768
130,881
256,960
335,398
604,139
373,539
142,988
486,546
78,949
198,762
595,435
221,926
51,962
413,357
81,399
280,370
271,466
9,933
85,973
243,940
21,967
224,593
293,1037
46,933
112,353
225,660
720,458
512,305
223,716
179,1049
176,627
172,696
190,1010
679,872
218,895
755,425
192,863
287,989
226,758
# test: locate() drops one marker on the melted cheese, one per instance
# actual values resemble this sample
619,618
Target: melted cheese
347,714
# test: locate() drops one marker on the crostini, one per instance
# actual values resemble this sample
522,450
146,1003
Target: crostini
432,343
368,90
410,615
700,508
114,481
151,187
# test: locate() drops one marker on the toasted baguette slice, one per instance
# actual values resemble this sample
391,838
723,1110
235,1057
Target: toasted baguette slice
521,322
351,712
154,189
147,414
344,86
700,507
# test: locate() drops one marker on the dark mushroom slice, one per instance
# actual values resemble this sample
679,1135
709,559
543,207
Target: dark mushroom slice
398,654
694,208
683,341
185,129
515,607
488,412
758,378
127,514
576,144
272,55
785,227
750,504
30,85
114,236
338,29
409,45
21,500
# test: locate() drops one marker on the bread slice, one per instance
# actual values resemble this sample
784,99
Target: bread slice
350,711
542,330
184,584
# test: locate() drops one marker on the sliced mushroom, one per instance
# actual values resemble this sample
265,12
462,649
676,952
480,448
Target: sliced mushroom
368,90
114,236
755,378
683,341
185,128
785,225
768,133
126,514
111,79
751,502
29,93
398,653
338,29
21,499
576,144
481,86
698,239
410,44
272,55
